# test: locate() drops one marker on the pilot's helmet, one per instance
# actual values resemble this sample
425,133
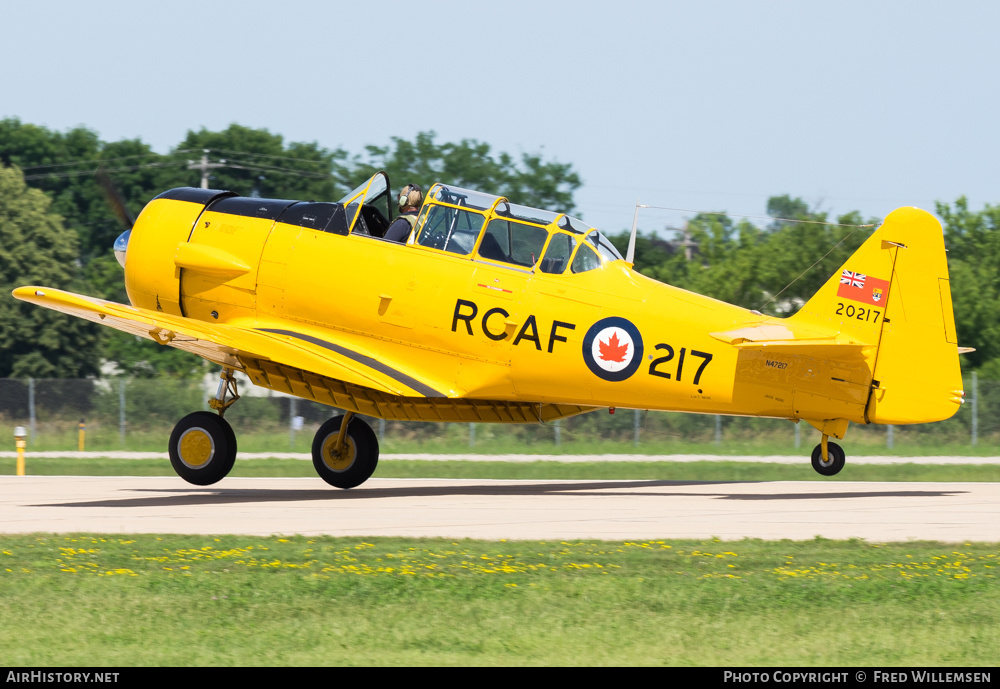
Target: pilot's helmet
410,195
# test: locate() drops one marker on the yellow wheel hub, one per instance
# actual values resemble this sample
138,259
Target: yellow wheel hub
196,448
338,461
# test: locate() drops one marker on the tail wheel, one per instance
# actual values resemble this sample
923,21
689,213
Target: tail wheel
202,448
356,459
835,459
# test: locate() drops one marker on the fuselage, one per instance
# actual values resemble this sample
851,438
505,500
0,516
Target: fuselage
493,312
602,336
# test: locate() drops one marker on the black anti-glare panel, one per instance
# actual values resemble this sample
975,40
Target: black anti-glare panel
269,209
195,195
325,217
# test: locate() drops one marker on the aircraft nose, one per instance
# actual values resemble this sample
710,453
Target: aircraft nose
121,246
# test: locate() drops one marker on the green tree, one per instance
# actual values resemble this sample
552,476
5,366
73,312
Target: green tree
35,249
797,258
255,162
777,267
529,181
729,260
63,166
973,241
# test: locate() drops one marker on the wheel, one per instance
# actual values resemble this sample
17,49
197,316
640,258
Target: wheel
202,448
835,461
357,458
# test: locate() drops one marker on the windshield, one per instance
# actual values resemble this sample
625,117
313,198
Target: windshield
373,192
603,246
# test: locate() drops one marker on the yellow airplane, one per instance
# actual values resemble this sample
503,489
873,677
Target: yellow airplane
495,312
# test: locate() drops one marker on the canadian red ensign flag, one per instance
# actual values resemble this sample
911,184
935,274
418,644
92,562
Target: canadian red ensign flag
863,288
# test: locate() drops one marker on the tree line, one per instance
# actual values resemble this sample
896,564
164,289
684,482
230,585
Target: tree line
57,229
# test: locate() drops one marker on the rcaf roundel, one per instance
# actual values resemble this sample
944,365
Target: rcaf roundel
612,348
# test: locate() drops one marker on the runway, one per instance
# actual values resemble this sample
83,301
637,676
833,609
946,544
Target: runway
487,509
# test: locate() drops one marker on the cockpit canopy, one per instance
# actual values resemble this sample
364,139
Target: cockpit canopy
484,226
471,223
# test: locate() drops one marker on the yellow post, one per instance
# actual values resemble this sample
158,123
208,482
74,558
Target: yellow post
83,433
19,438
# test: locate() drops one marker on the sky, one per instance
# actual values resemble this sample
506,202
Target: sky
850,105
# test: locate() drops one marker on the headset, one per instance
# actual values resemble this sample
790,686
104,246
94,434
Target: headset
410,195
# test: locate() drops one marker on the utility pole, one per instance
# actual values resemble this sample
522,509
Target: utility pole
685,242
204,166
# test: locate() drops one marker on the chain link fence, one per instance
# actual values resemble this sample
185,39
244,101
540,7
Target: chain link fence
138,414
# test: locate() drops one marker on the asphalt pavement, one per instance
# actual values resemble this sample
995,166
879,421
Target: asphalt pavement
489,509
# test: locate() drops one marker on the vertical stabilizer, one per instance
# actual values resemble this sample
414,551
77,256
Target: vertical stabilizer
893,294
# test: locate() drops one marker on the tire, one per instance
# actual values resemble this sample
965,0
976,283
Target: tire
359,456
202,448
835,462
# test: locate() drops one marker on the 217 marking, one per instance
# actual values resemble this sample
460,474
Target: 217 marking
655,363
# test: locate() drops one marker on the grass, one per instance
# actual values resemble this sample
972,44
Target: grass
689,471
145,600
232,600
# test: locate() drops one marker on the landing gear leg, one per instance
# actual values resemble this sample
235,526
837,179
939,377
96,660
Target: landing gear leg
828,458
227,387
203,445
345,451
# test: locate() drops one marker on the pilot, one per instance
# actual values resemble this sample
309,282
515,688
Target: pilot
410,200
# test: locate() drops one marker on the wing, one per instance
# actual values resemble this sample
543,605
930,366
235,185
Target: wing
335,372
236,346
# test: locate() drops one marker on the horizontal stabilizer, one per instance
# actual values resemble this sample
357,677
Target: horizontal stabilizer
830,350
779,338
769,332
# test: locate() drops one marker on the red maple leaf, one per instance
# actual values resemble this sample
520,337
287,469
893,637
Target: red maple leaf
612,350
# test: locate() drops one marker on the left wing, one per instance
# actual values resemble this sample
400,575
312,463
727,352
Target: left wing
233,345
321,367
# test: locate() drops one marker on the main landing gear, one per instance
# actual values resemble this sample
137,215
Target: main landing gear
203,445
345,451
828,458
202,448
